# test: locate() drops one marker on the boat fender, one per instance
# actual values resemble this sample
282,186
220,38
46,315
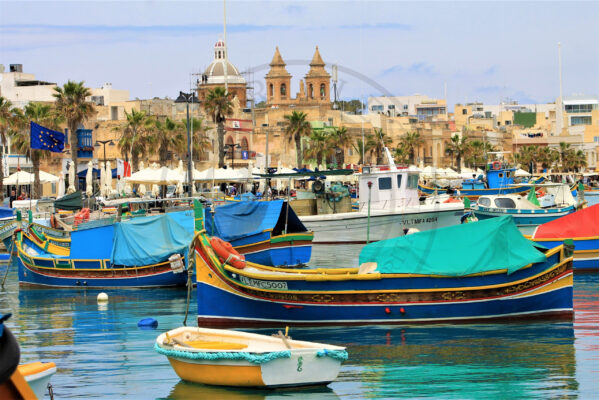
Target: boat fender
148,323
53,222
496,165
225,251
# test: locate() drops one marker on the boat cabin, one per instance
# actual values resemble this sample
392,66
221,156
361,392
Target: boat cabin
548,195
390,188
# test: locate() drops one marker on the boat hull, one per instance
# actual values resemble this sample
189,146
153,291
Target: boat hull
300,369
352,228
283,250
228,298
158,276
586,252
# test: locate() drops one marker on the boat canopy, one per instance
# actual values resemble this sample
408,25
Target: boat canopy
246,218
150,240
72,202
459,250
582,223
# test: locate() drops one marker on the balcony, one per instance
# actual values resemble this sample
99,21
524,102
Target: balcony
85,145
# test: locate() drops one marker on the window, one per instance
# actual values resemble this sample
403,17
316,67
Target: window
405,106
596,139
323,90
399,181
412,181
464,111
505,202
580,121
244,144
384,183
377,108
272,90
580,108
391,106
484,201
311,91
283,90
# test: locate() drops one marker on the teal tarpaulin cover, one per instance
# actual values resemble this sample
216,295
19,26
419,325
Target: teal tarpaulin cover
459,250
246,218
150,240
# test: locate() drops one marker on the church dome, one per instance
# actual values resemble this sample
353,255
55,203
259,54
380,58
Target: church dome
215,73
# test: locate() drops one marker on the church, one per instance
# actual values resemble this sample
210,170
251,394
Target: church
314,89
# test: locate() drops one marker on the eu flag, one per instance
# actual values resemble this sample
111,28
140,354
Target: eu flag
46,139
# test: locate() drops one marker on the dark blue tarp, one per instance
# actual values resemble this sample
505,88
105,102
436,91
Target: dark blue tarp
150,240
236,220
6,212
96,173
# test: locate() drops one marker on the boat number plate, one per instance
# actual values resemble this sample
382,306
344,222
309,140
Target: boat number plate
263,284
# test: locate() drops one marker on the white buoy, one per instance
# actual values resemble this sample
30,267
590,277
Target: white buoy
102,297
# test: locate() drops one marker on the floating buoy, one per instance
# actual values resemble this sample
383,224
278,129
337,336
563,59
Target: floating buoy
102,297
148,323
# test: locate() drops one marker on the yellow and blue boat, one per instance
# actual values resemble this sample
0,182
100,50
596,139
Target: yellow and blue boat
479,271
142,252
265,232
231,358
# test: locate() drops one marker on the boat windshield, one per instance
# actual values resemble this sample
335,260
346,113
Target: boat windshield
505,202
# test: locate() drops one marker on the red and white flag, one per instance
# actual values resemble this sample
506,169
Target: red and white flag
123,168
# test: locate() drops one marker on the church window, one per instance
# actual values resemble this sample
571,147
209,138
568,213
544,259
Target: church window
323,90
311,91
272,90
229,140
244,144
283,90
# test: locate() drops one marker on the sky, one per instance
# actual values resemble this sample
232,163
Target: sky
479,51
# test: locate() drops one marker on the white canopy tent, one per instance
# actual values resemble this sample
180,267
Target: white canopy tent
26,178
156,175
521,173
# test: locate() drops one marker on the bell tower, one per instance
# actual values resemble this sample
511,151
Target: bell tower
278,81
318,81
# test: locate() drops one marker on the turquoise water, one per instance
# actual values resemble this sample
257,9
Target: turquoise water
100,352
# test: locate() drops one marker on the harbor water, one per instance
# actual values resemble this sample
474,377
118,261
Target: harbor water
101,353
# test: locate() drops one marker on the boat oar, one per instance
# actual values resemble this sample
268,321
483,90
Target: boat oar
284,339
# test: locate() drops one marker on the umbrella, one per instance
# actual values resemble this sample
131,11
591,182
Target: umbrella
89,190
60,185
47,178
155,190
108,179
102,178
179,188
71,177
128,189
141,190
520,172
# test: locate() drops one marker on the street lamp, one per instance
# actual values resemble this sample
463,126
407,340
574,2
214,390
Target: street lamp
230,148
188,98
103,143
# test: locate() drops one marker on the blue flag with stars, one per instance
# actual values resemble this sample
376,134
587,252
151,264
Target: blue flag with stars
46,139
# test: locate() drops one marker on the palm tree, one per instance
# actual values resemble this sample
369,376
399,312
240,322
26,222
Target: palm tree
169,136
401,154
564,149
340,139
200,142
381,141
547,157
527,156
457,148
135,136
71,104
44,115
411,141
364,149
218,105
477,154
10,118
297,127
319,147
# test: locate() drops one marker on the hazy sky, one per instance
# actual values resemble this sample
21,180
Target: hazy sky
484,51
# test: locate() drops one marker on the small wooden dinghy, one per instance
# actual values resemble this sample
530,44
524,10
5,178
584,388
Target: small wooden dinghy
232,358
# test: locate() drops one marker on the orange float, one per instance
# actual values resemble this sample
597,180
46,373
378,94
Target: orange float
225,251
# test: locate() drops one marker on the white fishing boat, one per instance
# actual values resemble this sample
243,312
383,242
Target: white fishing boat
232,358
389,205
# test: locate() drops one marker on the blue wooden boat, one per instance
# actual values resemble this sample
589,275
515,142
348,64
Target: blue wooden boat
500,180
490,273
529,211
582,227
142,252
265,232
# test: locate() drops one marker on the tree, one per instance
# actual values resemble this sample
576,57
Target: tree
381,141
41,114
401,154
200,142
527,156
411,141
477,154
457,148
218,105
547,157
364,149
168,136
72,106
319,147
135,136
340,139
296,128
564,151
10,118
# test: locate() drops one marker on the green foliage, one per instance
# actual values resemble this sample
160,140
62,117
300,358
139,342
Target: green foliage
218,105
411,142
297,127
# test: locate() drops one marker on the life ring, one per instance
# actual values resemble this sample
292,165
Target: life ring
225,251
496,165
541,193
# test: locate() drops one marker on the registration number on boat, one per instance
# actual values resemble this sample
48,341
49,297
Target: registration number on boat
263,284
